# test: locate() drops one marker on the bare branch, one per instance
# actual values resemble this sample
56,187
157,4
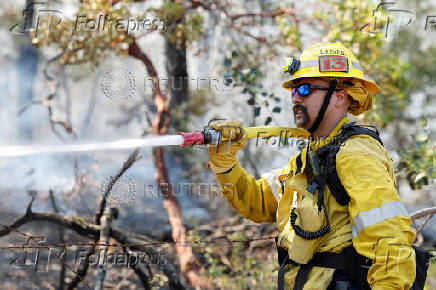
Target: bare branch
258,38
421,213
83,270
61,240
84,229
162,121
217,6
141,275
133,157
105,229
46,102
280,11
31,103
124,237
85,266
190,266
424,223
428,213
29,216
93,231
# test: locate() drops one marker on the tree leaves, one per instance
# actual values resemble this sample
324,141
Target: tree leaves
419,161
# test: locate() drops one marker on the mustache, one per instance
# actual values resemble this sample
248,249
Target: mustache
302,108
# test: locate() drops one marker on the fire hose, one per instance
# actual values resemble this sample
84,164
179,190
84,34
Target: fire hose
213,137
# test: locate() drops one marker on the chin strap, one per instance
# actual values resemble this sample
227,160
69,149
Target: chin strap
325,104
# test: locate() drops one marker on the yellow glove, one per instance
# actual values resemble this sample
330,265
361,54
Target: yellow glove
223,156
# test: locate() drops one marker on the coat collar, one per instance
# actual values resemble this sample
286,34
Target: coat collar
321,142
299,162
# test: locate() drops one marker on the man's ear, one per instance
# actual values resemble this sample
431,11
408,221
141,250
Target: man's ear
342,99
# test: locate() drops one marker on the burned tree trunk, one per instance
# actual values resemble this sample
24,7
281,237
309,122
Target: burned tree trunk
189,264
175,52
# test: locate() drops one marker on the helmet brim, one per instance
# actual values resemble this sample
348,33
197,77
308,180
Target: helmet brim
370,85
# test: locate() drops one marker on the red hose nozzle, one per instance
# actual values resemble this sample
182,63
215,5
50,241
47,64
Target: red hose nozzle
193,138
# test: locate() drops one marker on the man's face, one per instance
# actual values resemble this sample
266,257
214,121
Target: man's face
306,108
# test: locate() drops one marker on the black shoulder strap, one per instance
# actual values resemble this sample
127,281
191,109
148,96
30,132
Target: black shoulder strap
350,129
332,178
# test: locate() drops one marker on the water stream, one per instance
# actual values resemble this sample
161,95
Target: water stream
32,149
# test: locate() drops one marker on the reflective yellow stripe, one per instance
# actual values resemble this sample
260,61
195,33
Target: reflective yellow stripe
377,215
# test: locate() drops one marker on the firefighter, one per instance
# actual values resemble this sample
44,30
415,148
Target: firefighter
341,222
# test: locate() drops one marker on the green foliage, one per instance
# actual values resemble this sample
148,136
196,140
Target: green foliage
181,24
11,17
351,23
159,280
249,79
290,32
193,27
400,68
246,271
171,10
398,72
80,45
198,104
430,283
91,45
419,161
422,63
79,219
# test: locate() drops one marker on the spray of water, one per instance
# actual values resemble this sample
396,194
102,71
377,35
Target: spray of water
23,150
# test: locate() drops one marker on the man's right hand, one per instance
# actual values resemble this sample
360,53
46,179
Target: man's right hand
223,156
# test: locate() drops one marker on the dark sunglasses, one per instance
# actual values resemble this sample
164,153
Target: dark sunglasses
306,89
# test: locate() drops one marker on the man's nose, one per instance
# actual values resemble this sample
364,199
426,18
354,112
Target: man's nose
296,99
